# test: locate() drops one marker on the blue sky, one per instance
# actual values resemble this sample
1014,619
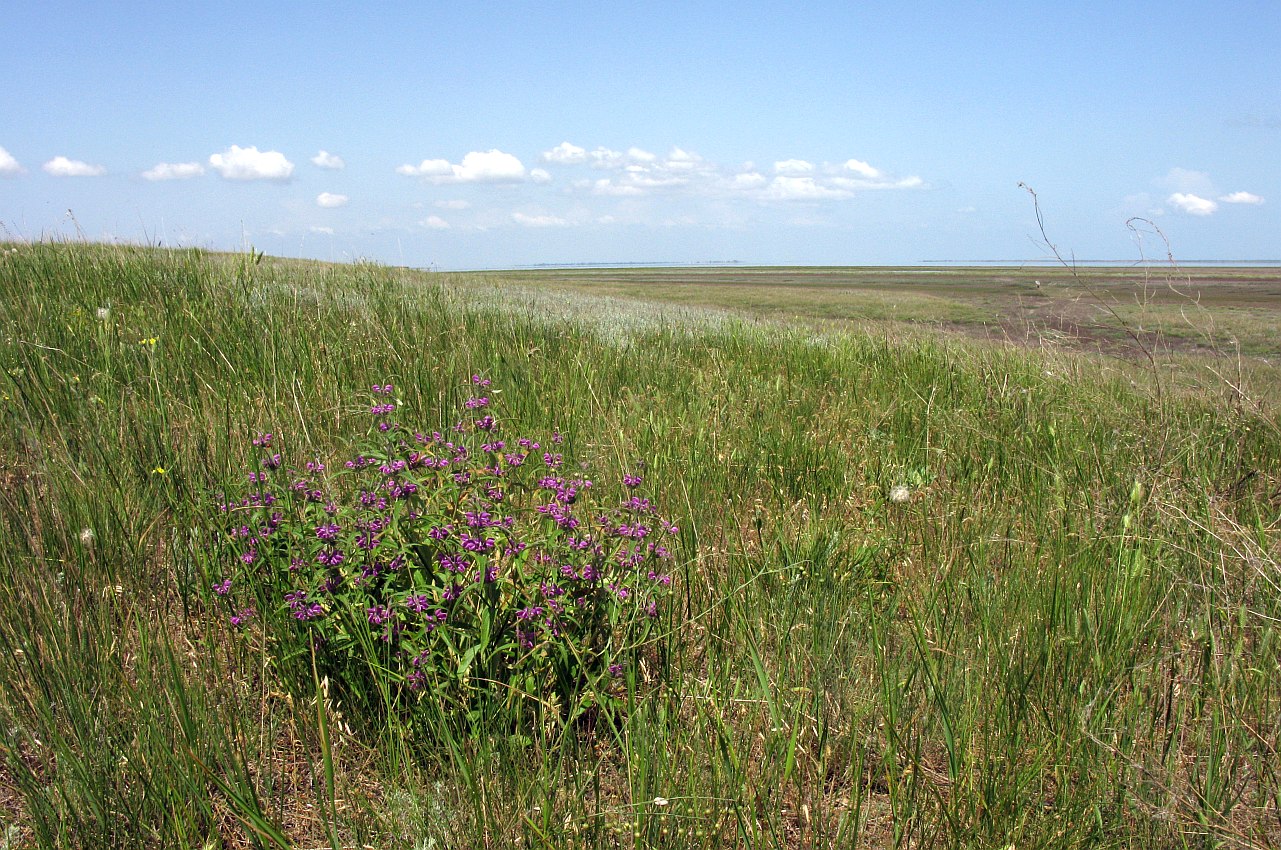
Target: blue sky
496,134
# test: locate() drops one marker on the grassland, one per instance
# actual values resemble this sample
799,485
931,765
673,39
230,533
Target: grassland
1193,308
1065,636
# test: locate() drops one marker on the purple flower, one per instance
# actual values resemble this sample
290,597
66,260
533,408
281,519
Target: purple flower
632,480
378,614
223,588
243,616
476,544
328,532
330,557
309,612
418,603
453,563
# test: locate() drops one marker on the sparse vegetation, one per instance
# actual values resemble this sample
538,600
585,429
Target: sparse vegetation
930,589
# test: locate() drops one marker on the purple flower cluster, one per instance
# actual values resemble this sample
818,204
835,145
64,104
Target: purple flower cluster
427,539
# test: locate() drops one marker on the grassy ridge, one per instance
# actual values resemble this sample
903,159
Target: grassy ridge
1066,636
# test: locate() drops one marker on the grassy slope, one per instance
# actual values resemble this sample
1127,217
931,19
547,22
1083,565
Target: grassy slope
1065,638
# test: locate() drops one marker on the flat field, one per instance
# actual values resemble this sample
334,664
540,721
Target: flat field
1189,308
959,561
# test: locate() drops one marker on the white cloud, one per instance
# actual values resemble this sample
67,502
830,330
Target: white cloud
9,165
538,220
793,166
173,171
680,160
432,168
1233,198
862,169
565,154
1192,204
325,159
60,166
605,186
330,201
237,163
327,231
539,175
454,204
785,188
491,166
606,158
434,222
639,172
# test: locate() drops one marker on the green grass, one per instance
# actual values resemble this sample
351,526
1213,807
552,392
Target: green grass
1066,637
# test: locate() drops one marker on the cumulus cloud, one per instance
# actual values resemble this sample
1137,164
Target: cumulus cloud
237,163
606,186
1192,204
538,220
327,231
1241,198
173,171
325,159
539,175
565,154
607,158
60,166
452,204
793,166
434,222
862,169
492,166
786,188
748,180
330,201
426,168
9,165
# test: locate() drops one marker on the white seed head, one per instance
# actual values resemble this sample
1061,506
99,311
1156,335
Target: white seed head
87,537
103,314
899,494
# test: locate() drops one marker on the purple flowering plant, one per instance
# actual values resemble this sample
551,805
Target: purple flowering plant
462,565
